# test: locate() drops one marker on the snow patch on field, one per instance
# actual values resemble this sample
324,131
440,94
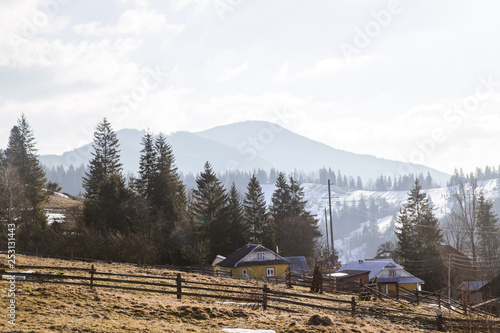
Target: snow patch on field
55,217
243,330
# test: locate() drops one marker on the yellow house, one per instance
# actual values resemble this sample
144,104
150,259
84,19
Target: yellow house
252,260
387,274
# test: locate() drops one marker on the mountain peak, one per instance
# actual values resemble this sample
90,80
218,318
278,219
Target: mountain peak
246,146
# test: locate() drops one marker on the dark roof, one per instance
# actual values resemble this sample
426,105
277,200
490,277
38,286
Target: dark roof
233,260
348,273
492,288
299,264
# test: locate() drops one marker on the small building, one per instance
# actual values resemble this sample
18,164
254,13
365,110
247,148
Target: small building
217,260
252,260
386,273
299,265
350,280
471,291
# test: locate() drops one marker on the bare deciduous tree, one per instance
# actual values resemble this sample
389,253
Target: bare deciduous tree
464,191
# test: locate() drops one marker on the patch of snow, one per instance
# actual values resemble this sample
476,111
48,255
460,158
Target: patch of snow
62,195
244,330
236,303
55,217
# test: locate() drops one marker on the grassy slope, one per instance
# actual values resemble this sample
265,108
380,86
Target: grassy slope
61,308
58,202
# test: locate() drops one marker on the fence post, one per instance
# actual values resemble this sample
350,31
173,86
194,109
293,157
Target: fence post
289,278
179,286
397,291
439,320
416,294
320,284
264,297
439,301
92,270
353,306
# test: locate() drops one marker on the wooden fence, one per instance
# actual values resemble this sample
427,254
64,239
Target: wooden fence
257,295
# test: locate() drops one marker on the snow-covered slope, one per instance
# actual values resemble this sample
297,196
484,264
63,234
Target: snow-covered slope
346,244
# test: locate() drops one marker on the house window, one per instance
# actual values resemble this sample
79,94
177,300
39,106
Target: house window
270,271
244,273
392,273
260,256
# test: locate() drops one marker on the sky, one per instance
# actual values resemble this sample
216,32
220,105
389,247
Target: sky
413,81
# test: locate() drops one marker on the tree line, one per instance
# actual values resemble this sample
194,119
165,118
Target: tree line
152,218
70,179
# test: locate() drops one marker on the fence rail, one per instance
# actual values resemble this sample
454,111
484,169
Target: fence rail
260,296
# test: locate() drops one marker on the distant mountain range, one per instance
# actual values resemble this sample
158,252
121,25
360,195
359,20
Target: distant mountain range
247,146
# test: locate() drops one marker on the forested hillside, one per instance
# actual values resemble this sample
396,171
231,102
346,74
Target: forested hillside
162,215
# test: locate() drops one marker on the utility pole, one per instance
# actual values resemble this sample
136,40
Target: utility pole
331,223
328,257
326,227
449,277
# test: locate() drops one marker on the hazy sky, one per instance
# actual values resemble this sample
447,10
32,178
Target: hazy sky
416,81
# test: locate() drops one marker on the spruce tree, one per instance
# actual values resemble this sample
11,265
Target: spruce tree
168,192
104,184
419,239
302,229
280,210
488,234
147,164
255,213
238,231
3,159
210,208
294,229
281,198
21,153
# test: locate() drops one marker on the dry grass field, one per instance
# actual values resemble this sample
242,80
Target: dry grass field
70,308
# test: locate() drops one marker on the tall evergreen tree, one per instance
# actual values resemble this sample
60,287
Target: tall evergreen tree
104,184
147,166
488,233
238,230
168,192
281,198
279,210
419,239
255,213
3,159
21,153
210,207
295,230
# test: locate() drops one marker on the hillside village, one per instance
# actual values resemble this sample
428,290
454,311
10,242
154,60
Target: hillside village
388,244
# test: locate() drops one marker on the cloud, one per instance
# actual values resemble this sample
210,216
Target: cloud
282,75
133,22
230,73
332,65
137,3
199,5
